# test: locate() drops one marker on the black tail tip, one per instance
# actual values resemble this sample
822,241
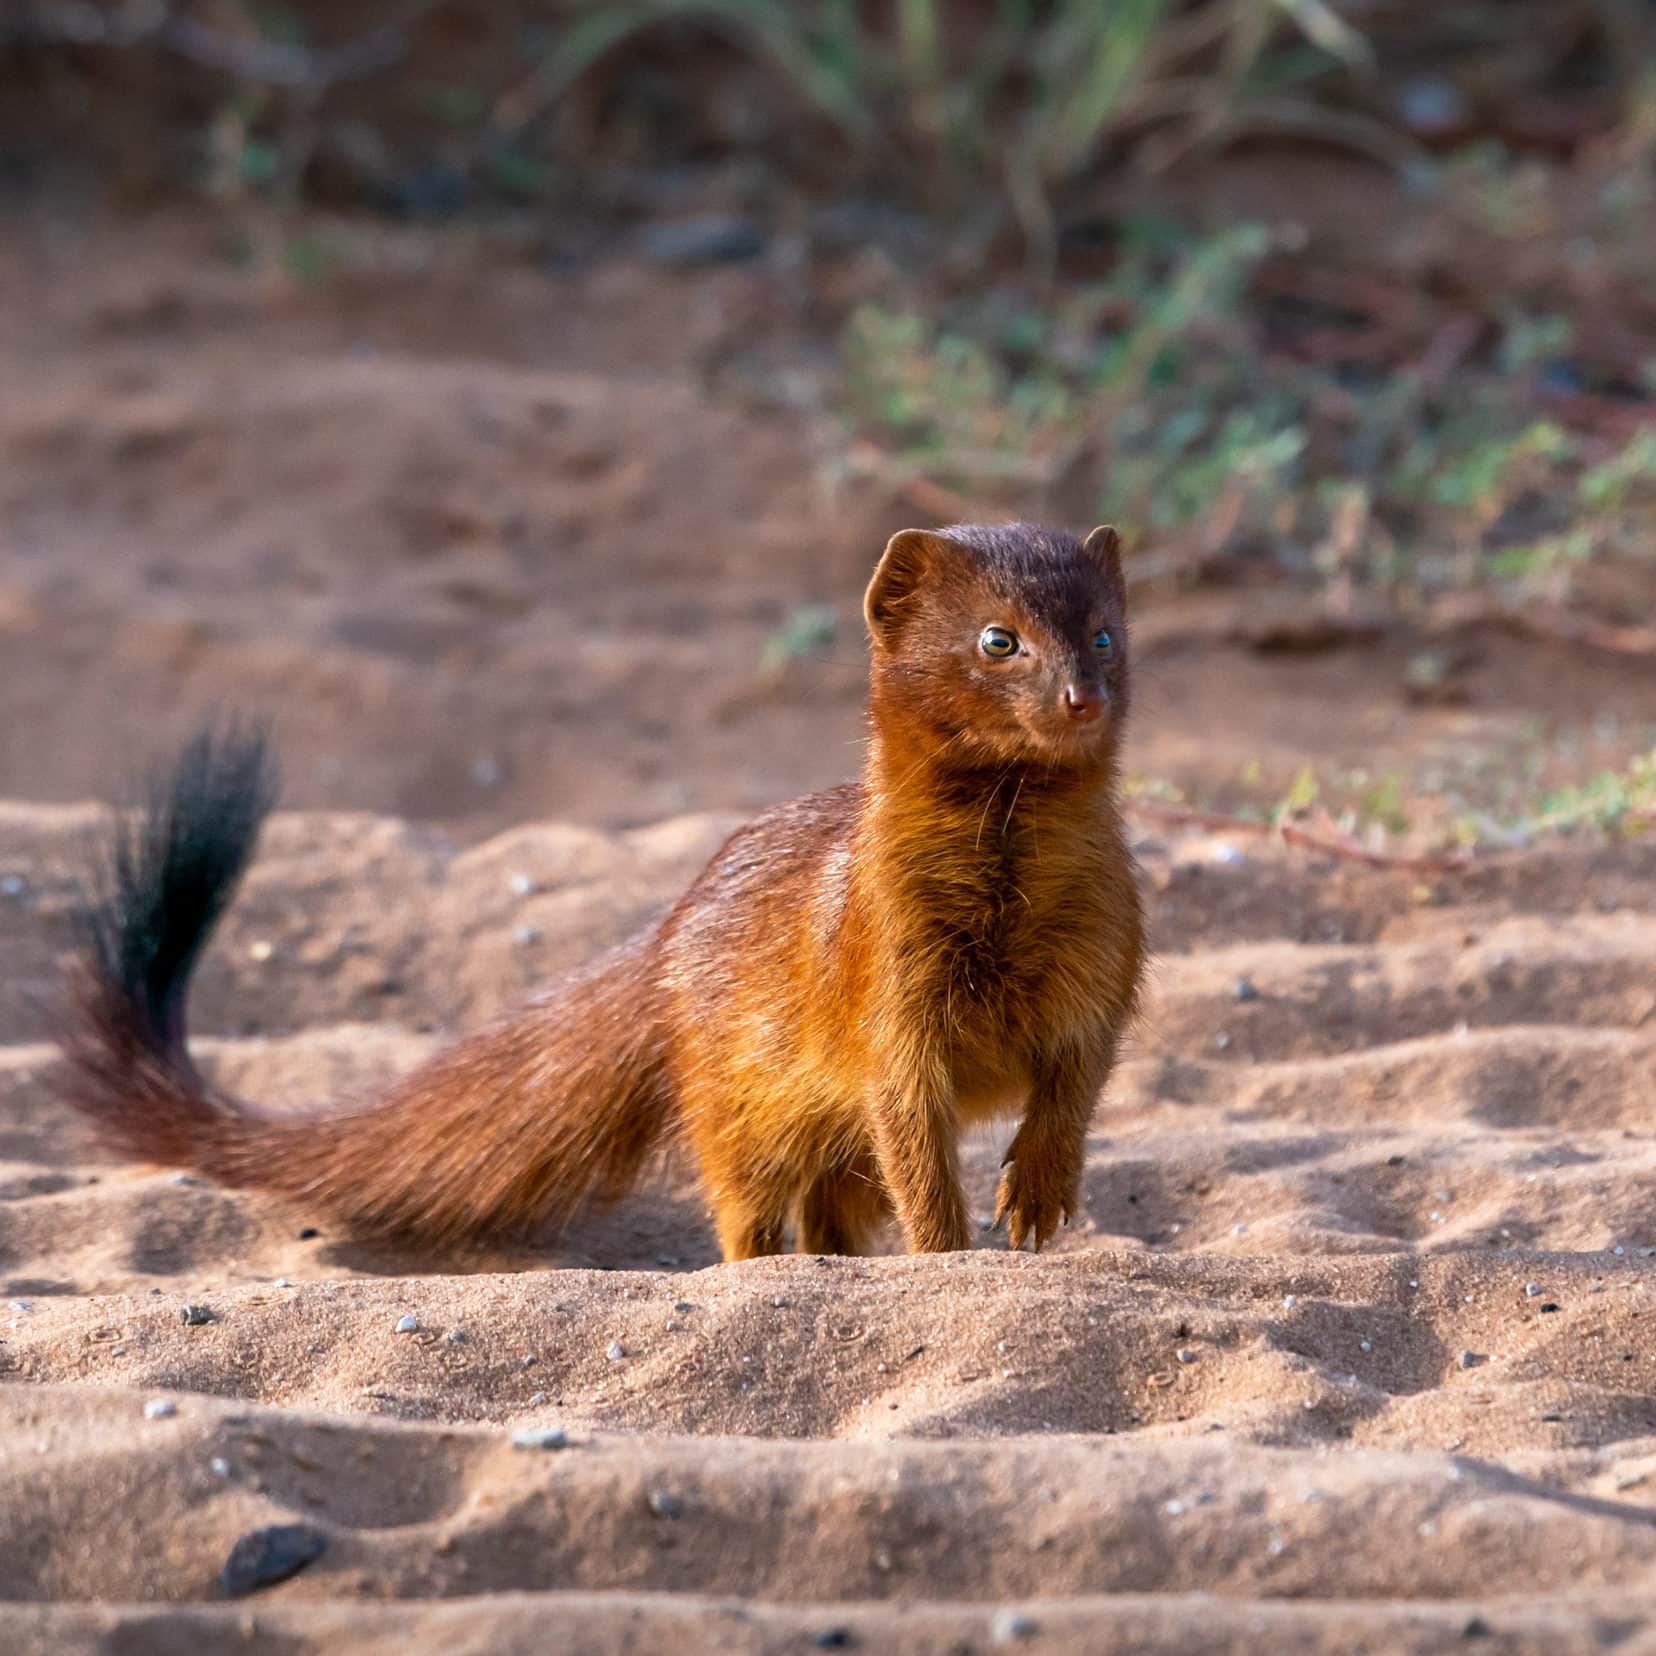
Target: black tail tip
171,869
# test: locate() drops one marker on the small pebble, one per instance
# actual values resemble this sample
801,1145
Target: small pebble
1228,855
408,1324
528,1362
779,1302
538,1400
665,1504
181,1179
309,1233
1289,1302
835,1638
12,885
260,949
540,1437
711,238
1476,1628
263,1557
614,1351
160,1408
1244,990
283,1282
1185,1354
1470,1359
219,1466
19,1305
522,885
1365,1345
193,1316
1009,1626
523,936
1174,1509
457,1336
1532,1290
681,1306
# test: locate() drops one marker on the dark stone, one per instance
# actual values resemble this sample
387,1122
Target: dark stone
193,1316
263,1557
713,239
835,1638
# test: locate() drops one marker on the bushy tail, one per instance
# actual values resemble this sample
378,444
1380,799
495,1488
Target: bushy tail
513,1129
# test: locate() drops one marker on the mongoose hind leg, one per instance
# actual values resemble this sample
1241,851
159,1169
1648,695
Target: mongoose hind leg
749,1223
841,1210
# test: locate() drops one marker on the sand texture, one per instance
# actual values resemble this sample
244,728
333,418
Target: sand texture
1351,1350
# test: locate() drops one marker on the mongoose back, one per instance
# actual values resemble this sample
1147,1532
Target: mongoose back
854,978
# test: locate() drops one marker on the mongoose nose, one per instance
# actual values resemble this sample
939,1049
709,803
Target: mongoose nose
1083,702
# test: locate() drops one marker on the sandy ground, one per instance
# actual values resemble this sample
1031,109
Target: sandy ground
1350,1350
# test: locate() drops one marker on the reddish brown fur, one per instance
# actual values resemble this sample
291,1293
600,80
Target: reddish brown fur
854,978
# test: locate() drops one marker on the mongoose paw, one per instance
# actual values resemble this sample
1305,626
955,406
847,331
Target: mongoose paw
1032,1201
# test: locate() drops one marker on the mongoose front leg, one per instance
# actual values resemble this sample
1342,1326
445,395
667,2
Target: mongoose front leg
1041,1184
914,1141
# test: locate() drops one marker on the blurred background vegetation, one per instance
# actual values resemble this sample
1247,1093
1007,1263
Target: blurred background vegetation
1351,296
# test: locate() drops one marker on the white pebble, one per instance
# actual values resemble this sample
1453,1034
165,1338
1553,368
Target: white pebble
261,949
159,1408
1185,1354
614,1351
219,1466
408,1324
1532,1290
522,885
538,1400
1009,1626
283,1282
1289,1302
523,936
540,1437
12,886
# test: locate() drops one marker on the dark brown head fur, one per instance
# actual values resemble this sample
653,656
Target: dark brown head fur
1056,606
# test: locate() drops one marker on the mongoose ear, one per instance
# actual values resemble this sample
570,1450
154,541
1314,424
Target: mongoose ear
910,556
1103,546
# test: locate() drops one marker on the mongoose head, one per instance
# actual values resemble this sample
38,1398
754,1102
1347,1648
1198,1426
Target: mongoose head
1008,641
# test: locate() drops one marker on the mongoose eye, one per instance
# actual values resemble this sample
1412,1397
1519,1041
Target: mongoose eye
1104,644
998,642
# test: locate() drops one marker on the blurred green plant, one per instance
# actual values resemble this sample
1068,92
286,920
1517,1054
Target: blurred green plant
1000,104
1622,800
1153,391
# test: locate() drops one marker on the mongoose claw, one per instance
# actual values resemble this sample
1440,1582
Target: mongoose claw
1033,1204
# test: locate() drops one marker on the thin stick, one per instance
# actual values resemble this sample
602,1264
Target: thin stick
1184,816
